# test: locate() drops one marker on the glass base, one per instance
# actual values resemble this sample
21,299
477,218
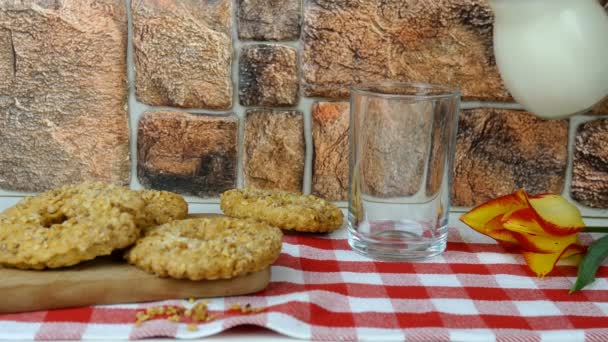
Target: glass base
397,245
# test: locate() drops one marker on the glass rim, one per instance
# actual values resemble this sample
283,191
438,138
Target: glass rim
445,91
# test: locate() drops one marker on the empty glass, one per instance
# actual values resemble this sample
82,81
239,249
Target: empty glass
402,139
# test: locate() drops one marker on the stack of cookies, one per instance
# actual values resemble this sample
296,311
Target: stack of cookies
76,223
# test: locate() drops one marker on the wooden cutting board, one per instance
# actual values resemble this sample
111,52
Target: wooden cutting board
109,280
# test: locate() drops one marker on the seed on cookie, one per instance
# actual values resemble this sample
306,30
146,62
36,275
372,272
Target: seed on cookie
207,248
289,211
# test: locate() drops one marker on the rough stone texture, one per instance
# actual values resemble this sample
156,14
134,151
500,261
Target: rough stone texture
268,75
269,19
590,167
393,137
190,154
274,150
62,93
445,118
330,138
601,108
183,52
445,42
500,151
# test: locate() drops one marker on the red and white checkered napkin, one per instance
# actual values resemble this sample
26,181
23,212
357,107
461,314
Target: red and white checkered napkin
320,289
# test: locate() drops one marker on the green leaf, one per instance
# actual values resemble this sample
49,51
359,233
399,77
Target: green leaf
597,252
596,229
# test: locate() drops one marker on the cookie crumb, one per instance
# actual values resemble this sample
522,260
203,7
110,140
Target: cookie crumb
246,309
200,311
234,307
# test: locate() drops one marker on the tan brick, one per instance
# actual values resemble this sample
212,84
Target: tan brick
274,149
269,19
183,52
190,154
330,137
500,151
268,75
590,167
447,42
63,93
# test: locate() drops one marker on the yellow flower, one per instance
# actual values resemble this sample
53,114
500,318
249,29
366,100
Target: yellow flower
544,227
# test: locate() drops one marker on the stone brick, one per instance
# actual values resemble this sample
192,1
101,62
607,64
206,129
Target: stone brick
330,138
274,149
268,75
601,108
590,167
191,154
394,146
499,151
269,19
445,116
183,53
63,93
446,42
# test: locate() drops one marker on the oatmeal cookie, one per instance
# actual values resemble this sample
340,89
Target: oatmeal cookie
290,211
65,226
207,248
162,207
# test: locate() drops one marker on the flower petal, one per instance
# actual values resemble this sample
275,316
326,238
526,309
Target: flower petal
532,237
556,215
523,220
544,244
574,249
486,218
496,231
543,263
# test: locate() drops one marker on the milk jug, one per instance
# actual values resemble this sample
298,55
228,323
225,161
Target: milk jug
552,54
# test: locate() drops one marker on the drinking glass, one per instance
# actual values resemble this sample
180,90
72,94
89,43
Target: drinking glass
402,139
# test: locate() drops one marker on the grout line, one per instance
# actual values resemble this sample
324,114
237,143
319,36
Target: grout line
490,104
240,110
293,44
134,111
306,108
237,109
572,127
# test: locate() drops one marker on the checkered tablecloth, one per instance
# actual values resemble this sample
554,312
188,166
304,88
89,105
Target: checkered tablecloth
320,289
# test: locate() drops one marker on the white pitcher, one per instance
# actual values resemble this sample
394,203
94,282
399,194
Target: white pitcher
552,54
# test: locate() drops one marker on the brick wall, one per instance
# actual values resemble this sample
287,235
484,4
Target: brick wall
201,96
